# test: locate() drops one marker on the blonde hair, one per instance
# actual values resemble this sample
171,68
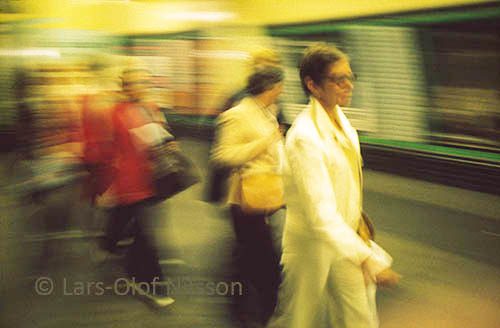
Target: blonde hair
265,57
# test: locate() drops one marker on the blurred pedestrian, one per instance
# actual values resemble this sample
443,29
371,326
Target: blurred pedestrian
135,124
51,171
97,139
219,173
331,263
249,141
97,132
25,127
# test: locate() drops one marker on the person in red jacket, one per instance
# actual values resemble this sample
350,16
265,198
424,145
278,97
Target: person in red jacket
133,185
97,135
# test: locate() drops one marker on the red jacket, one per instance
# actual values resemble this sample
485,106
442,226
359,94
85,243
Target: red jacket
97,133
133,179
96,130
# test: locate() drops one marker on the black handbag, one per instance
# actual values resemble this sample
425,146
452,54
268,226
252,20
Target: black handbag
173,172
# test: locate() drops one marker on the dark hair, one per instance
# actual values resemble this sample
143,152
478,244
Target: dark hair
316,60
263,79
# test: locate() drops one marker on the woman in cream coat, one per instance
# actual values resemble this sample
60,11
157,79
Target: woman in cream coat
249,141
329,270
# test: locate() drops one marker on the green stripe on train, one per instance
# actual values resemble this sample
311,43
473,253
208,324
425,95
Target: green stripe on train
196,121
467,153
397,20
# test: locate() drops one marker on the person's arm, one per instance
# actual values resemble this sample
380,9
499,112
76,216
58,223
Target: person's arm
231,148
310,174
313,181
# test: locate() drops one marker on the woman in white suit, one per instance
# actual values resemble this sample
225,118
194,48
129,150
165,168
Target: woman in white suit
330,271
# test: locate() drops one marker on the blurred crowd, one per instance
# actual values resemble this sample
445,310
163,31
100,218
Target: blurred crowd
86,135
85,132
87,139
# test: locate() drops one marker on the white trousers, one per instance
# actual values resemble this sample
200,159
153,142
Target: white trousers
321,291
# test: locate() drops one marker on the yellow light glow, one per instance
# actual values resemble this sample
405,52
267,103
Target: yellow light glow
30,53
148,16
207,16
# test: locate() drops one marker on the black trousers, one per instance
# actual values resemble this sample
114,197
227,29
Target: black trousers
142,260
257,260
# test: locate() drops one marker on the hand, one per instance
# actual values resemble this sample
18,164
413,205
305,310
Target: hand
387,278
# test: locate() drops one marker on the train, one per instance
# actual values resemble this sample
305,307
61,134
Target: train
426,103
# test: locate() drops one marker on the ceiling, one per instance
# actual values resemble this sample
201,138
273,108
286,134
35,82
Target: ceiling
169,16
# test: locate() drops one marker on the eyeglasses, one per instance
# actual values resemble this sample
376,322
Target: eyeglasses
341,81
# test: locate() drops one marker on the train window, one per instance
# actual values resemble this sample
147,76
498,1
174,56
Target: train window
464,86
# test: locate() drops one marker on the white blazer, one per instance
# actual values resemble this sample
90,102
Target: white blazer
323,186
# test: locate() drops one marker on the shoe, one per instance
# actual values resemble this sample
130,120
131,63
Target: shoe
161,301
173,261
98,255
158,301
125,242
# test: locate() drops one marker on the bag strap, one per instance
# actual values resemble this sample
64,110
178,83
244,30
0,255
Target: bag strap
145,109
146,112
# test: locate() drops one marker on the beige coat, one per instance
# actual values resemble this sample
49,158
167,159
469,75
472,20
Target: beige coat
245,142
